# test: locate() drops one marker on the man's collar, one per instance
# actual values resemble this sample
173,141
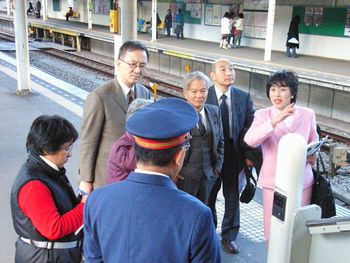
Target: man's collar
124,87
219,93
149,172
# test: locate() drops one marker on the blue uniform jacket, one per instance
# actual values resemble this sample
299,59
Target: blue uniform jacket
147,219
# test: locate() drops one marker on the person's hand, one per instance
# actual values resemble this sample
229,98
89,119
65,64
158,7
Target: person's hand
86,187
286,112
83,198
249,163
311,159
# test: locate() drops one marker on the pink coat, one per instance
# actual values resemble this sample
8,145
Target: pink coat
262,133
121,159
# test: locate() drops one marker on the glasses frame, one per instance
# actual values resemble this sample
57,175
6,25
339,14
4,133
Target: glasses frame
133,66
68,149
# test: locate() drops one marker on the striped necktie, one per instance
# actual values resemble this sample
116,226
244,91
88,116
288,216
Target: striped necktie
201,126
130,96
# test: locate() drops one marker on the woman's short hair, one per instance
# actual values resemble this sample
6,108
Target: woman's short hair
196,75
48,133
136,105
283,78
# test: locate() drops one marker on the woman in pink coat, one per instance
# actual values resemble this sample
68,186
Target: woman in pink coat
270,125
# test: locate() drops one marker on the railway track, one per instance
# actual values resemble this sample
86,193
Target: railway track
164,89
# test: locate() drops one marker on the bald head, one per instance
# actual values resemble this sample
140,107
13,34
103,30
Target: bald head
223,74
213,66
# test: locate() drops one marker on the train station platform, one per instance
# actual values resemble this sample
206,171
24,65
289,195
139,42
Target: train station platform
53,96
333,71
324,82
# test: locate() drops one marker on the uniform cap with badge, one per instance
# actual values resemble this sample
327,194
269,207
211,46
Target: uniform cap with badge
164,124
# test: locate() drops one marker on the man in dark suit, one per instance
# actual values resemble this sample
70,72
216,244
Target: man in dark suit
204,159
104,114
146,218
237,114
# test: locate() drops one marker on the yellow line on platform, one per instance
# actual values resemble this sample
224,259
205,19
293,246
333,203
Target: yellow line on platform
178,54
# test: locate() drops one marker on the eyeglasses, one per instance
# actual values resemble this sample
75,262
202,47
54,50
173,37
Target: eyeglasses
133,66
67,149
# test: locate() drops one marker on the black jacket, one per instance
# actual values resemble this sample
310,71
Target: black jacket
36,169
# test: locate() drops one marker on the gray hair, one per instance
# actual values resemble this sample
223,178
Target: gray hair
136,105
196,75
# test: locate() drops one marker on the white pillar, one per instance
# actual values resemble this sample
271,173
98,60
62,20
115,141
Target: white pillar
128,26
128,20
89,13
8,8
44,9
22,53
154,20
269,29
290,172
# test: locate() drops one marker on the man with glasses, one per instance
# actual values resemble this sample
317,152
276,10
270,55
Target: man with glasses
237,115
204,159
104,114
146,218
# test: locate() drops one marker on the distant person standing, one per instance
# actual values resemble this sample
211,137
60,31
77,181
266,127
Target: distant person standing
238,30
104,114
168,22
37,9
179,19
225,30
293,37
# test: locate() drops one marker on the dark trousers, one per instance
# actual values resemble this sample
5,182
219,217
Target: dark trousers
168,31
200,189
180,33
229,180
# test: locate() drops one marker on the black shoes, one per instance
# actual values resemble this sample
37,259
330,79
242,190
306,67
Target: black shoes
230,246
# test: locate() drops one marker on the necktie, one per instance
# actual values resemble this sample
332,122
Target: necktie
130,96
225,117
201,126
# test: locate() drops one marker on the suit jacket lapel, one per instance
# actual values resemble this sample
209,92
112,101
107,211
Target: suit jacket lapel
297,120
212,99
236,113
120,97
211,123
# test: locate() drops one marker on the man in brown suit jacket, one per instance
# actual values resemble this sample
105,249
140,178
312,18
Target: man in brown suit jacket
104,114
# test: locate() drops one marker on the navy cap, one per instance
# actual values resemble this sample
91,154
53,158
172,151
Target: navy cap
163,124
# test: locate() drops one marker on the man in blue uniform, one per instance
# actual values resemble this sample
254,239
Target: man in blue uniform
146,218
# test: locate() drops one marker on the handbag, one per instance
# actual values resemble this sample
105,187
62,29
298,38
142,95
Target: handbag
322,194
250,187
177,30
293,40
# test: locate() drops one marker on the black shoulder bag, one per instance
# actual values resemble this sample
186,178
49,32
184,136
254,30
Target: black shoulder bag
322,194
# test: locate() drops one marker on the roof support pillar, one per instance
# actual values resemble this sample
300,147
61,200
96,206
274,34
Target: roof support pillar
269,30
45,10
154,20
89,13
128,26
22,51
